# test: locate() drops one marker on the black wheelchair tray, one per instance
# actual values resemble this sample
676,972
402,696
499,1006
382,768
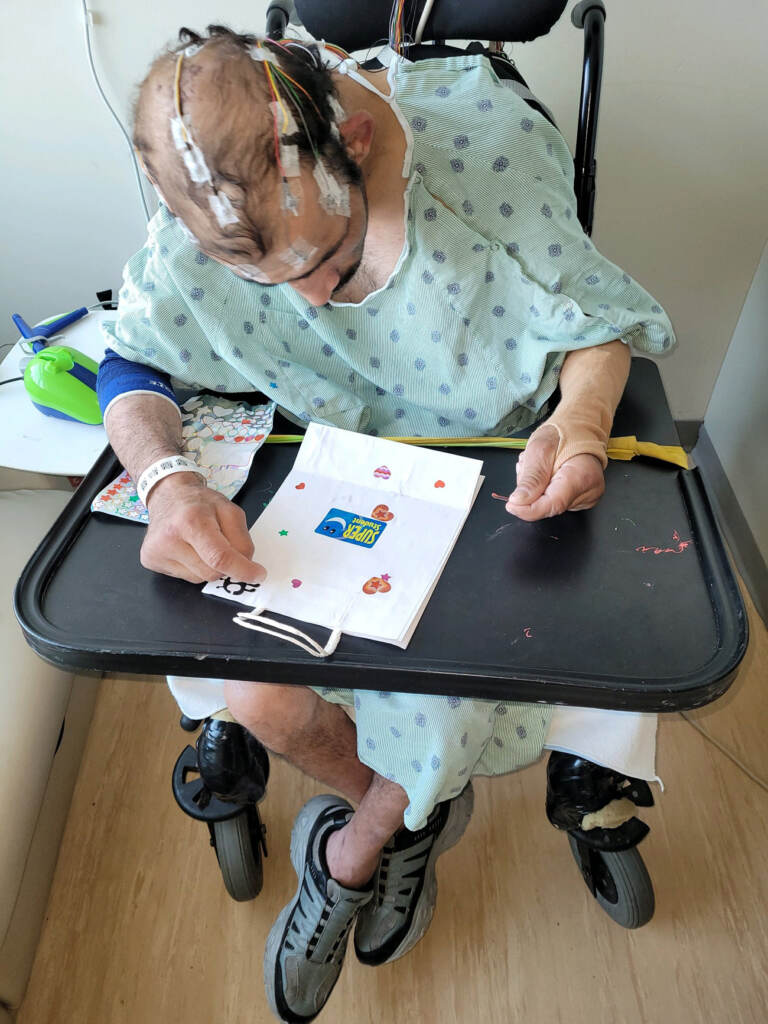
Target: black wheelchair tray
581,609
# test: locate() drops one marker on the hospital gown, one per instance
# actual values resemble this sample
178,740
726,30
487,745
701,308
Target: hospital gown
496,282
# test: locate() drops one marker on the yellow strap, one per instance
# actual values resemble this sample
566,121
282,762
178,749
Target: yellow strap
621,448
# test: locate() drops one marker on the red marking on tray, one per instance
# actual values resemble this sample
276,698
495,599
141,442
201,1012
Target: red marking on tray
681,546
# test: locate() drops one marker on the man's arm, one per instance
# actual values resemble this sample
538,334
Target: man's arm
562,466
194,533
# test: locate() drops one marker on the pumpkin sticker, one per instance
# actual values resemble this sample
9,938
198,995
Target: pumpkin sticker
382,513
377,585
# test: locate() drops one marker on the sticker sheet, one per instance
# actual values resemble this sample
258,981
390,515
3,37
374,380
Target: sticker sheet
358,533
220,435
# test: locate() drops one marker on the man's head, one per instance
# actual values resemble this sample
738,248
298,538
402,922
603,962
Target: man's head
248,146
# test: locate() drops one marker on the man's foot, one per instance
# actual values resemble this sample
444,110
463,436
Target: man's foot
405,885
307,943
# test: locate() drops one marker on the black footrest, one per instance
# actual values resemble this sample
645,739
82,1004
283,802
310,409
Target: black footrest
193,796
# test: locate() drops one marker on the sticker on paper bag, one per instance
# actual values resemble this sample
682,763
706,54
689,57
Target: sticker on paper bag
351,528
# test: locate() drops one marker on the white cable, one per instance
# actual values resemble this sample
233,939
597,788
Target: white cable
423,21
87,24
732,757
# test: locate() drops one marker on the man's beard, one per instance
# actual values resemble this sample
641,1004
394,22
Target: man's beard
349,274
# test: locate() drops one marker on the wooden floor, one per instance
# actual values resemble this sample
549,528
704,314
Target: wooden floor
140,930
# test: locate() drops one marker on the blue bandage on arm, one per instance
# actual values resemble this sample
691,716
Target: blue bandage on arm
118,377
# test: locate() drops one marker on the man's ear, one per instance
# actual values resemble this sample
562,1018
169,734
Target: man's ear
357,134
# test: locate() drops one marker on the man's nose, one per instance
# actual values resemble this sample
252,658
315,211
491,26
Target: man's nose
318,288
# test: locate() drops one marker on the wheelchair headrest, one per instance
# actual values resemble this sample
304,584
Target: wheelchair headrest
359,24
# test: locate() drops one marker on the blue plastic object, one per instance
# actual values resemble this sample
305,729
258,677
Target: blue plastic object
48,329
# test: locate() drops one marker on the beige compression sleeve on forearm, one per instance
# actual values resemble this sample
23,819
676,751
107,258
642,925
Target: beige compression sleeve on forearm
592,381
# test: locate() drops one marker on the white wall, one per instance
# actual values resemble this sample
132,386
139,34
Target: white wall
682,154
737,416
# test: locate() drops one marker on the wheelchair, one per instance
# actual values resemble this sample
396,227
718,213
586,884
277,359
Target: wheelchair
223,778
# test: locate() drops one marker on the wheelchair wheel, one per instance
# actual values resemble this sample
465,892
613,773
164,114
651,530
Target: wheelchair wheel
623,887
238,843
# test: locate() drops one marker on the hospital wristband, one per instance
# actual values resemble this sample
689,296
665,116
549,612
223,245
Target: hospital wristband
161,469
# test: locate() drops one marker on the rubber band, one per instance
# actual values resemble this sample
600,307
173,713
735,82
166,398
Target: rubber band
621,449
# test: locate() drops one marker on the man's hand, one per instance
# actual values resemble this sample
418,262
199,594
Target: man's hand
578,484
197,534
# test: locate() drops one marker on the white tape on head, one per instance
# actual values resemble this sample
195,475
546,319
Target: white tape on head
222,208
257,53
291,196
334,198
284,118
191,153
298,254
338,110
252,273
289,161
178,130
193,49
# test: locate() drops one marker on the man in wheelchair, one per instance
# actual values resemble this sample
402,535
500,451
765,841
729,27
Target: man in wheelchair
393,252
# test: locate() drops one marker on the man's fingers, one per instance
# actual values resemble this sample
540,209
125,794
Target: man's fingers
552,503
573,487
183,572
195,565
534,470
221,557
234,526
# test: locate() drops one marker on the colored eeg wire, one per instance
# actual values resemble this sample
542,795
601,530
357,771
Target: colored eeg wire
396,26
276,100
177,95
275,74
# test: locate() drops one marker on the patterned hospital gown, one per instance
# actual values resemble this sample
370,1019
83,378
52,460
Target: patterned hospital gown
496,283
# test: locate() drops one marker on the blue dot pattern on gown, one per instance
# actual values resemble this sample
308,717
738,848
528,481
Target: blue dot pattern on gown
496,282
432,745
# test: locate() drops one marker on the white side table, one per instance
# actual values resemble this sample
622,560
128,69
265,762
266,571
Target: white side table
32,441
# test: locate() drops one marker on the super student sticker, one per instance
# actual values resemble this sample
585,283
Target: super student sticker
351,528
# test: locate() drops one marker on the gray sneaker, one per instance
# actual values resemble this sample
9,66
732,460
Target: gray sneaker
405,885
307,943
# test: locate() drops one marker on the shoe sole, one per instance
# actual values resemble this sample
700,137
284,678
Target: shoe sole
458,819
299,838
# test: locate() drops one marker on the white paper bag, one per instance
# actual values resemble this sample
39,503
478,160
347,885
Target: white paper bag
356,537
